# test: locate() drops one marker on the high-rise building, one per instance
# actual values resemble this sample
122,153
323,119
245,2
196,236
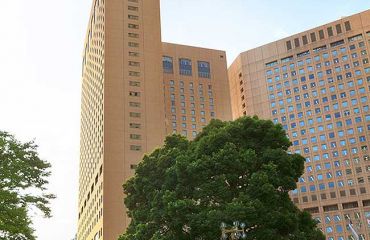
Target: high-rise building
131,100
316,84
195,80
122,108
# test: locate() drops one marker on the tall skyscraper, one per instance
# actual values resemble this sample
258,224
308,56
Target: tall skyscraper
129,104
122,108
316,84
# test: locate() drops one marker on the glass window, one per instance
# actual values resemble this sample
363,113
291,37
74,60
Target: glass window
185,67
204,69
167,64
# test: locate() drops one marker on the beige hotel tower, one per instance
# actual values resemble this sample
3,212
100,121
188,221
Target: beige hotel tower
135,91
317,85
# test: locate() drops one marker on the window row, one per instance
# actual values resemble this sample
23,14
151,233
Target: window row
186,68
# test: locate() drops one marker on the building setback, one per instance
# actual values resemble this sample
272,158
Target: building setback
195,80
316,84
135,91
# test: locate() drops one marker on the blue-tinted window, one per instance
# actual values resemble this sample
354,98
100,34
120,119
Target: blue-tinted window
167,64
185,67
299,106
204,69
360,129
348,122
339,228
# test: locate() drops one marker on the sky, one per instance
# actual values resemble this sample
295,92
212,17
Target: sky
41,45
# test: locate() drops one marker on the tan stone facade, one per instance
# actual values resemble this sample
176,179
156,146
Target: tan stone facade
195,80
122,109
316,84
127,104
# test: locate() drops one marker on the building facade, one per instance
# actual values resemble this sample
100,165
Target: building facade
195,80
317,85
122,113
130,102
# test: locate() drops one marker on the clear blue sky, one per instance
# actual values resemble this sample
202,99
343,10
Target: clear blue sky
40,64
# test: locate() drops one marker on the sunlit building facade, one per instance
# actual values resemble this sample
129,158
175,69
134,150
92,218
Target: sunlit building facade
195,80
316,84
130,102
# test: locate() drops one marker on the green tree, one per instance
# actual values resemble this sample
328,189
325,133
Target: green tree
237,170
23,180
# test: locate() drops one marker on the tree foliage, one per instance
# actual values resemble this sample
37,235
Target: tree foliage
23,180
237,170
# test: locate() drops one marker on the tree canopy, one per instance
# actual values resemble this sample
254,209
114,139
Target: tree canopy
23,180
239,170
